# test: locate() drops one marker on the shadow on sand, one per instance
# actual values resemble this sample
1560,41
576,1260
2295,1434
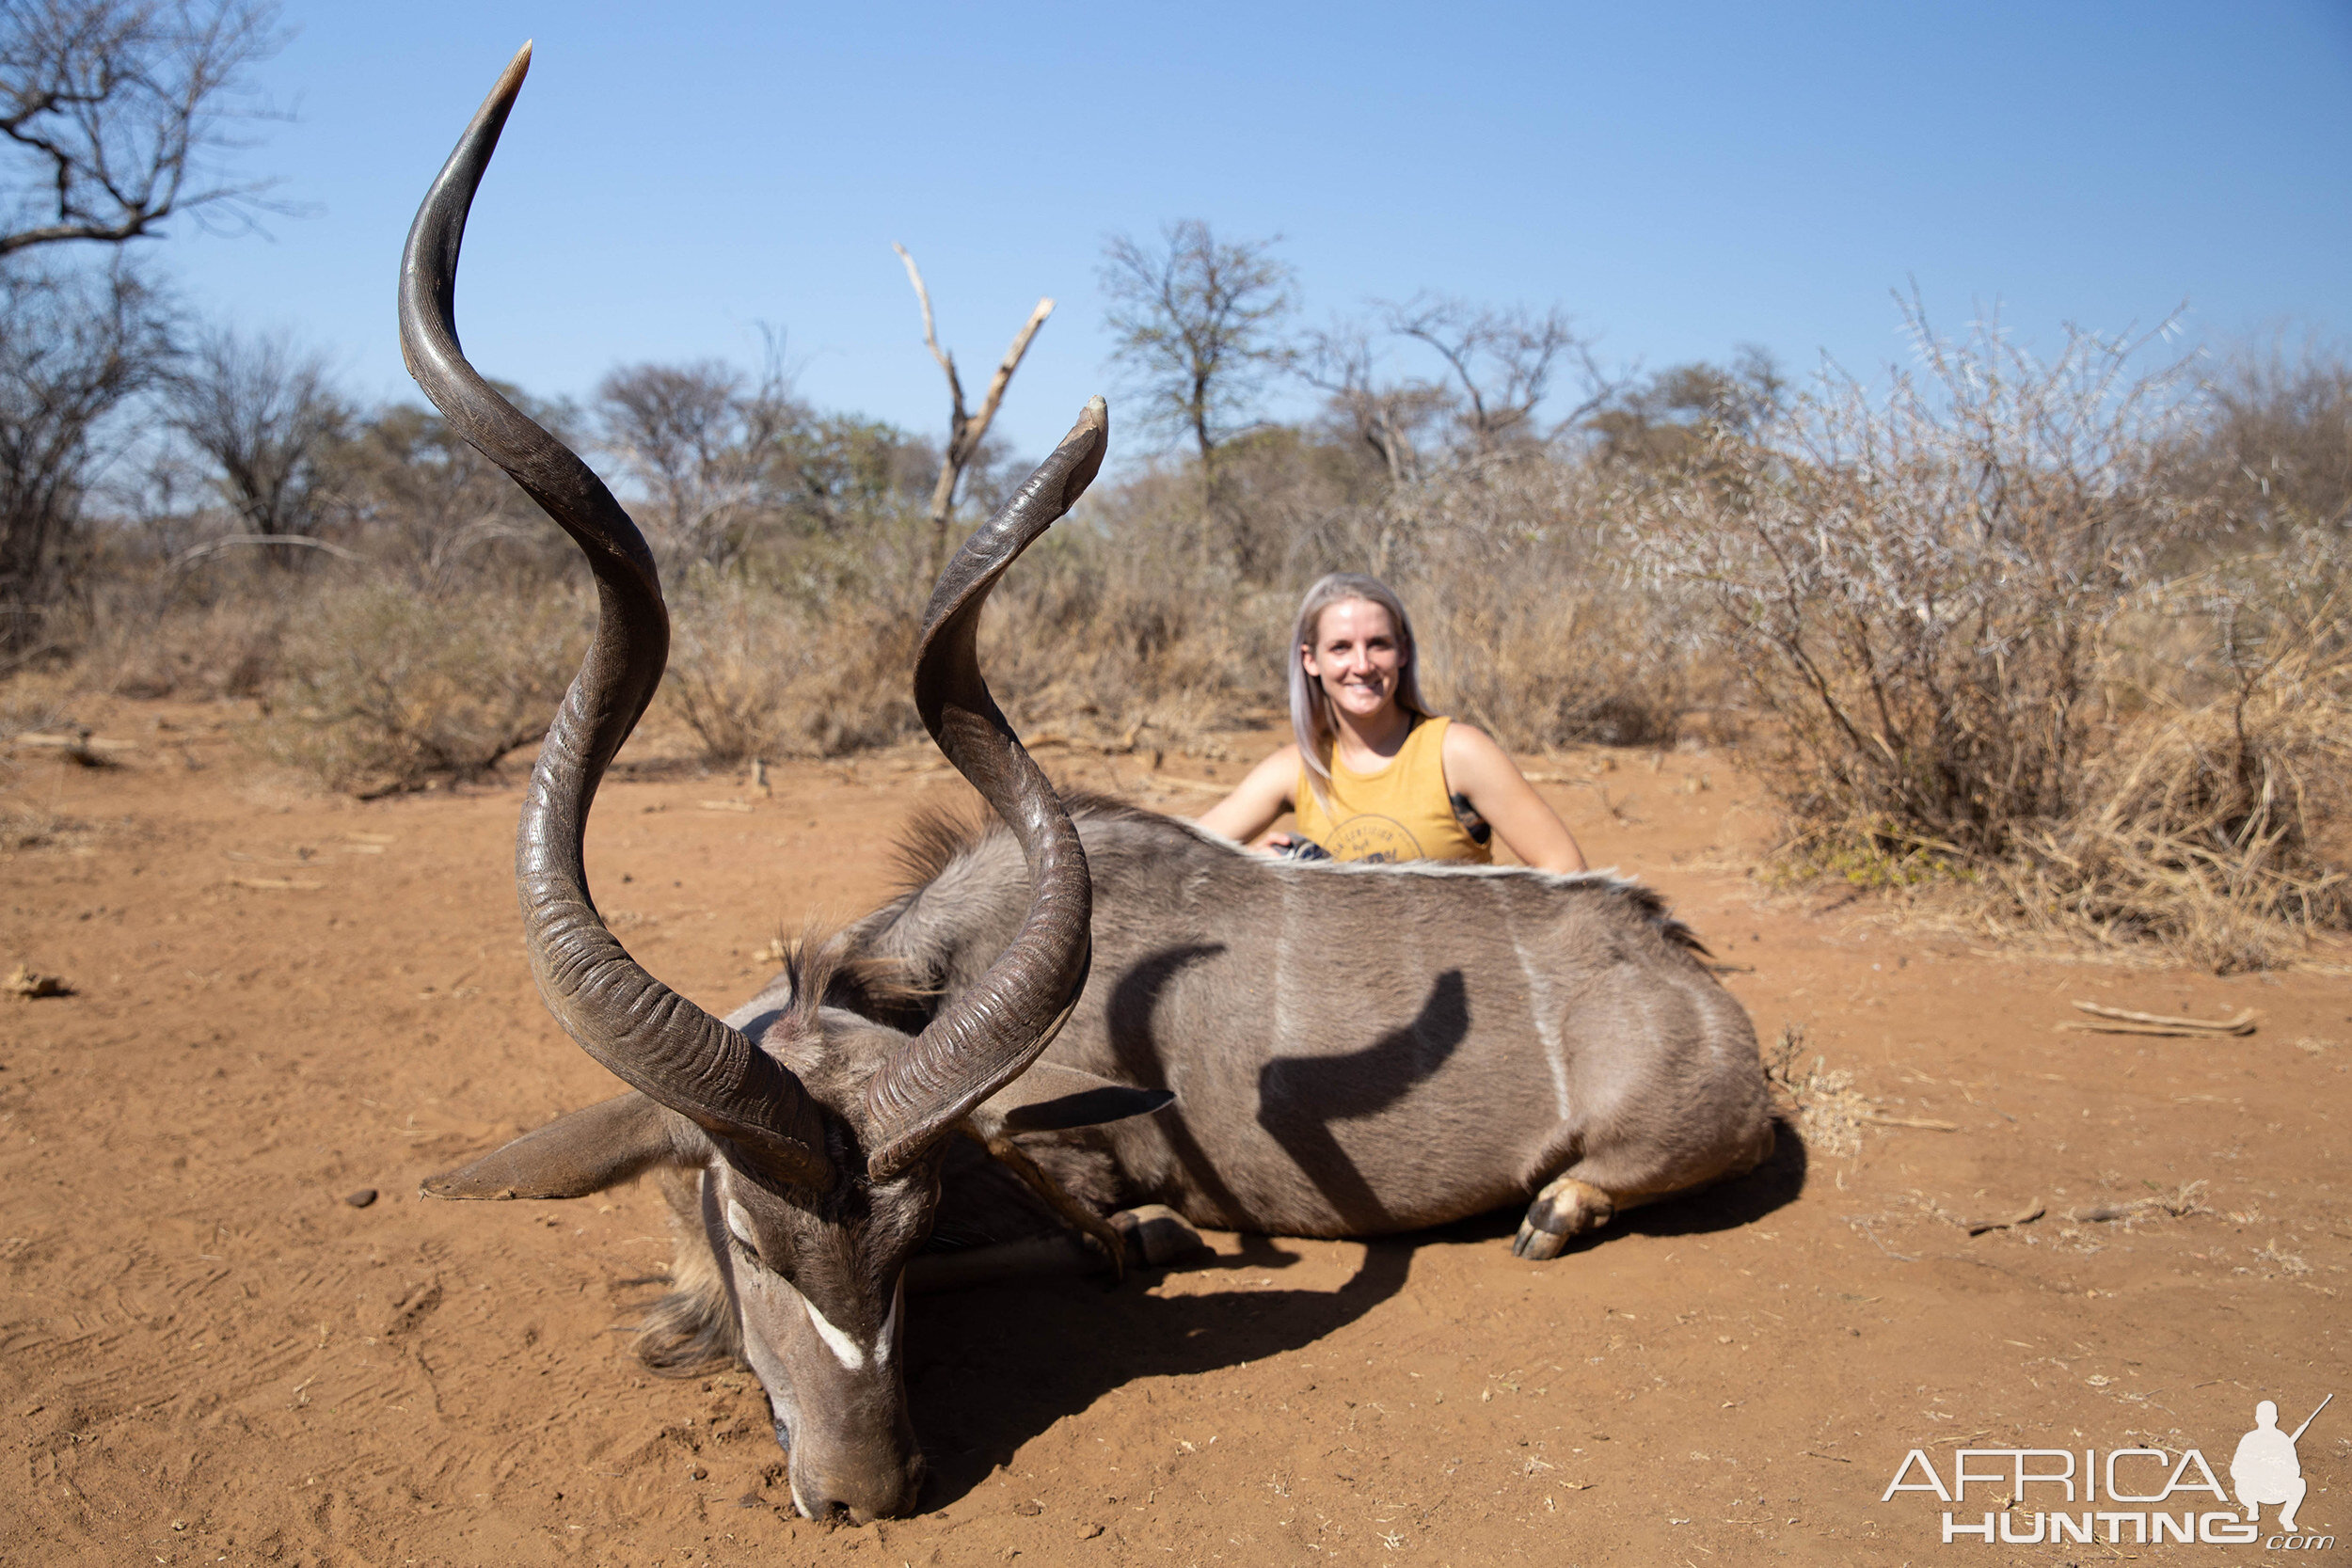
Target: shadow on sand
991,1368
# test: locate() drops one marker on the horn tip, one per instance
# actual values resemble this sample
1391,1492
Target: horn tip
1094,426
510,81
1088,440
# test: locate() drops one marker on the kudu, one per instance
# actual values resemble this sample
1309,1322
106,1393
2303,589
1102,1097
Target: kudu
1351,1050
818,1140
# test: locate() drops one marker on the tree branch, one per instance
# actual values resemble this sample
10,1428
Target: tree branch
965,431
1003,378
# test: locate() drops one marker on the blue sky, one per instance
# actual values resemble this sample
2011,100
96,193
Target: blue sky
1682,179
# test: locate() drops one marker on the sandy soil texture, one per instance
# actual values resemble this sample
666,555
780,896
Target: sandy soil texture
208,1353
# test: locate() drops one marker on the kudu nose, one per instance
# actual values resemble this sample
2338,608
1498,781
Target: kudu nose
859,1500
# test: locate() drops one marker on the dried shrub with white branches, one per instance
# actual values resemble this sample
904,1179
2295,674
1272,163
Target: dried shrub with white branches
1918,584
1948,602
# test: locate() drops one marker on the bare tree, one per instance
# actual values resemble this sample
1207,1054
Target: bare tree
264,415
700,441
965,431
1390,417
71,350
1505,360
1199,322
113,107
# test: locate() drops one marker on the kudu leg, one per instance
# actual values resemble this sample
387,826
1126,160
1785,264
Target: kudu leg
1151,1236
1565,1209
1076,1215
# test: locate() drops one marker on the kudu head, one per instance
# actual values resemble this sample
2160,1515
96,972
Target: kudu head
818,1134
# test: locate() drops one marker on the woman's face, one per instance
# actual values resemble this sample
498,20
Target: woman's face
1356,656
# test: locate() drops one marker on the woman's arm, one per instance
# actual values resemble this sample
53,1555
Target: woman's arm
1476,766
1257,801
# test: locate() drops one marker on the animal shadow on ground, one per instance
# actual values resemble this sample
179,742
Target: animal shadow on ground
989,1368
1726,1205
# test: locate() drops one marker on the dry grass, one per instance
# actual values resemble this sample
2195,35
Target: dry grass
1831,1111
138,641
755,673
2220,834
382,691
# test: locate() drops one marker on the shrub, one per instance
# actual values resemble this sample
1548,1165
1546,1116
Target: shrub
1526,591
2216,820
1916,588
381,689
138,640
816,669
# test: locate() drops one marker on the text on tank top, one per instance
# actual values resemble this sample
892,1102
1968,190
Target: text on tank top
1400,813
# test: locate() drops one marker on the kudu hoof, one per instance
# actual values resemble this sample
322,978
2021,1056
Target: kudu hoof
1156,1234
1565,1209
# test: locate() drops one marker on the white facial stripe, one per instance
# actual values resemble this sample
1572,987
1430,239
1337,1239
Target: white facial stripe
890,1324
845,1349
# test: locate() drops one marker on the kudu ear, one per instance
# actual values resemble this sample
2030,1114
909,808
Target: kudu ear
580,1153
1050,1098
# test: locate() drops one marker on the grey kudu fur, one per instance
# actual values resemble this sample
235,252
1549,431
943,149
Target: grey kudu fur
1350,1050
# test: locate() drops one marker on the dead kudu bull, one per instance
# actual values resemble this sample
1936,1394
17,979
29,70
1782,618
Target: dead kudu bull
1356,1051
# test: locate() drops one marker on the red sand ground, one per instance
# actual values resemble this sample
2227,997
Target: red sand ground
208,1356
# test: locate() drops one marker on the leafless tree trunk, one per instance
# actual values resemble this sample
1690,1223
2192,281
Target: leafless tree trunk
965,431
71,351
111,107
262,413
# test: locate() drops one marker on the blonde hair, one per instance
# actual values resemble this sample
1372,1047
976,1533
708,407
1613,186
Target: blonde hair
1310,708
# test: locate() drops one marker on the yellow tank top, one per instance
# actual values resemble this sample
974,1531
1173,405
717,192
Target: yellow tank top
1401,813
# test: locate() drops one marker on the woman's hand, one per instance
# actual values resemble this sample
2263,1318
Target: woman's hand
1478,768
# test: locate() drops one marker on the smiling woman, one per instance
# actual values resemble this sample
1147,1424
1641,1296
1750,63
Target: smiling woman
1374,775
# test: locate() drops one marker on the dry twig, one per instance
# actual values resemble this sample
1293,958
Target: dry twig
2157,1023
965,431
2026,1215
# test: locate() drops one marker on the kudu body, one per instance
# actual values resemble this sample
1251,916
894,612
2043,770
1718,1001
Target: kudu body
1357,1050
1352,1050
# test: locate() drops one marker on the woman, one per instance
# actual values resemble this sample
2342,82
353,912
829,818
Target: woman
1374,775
